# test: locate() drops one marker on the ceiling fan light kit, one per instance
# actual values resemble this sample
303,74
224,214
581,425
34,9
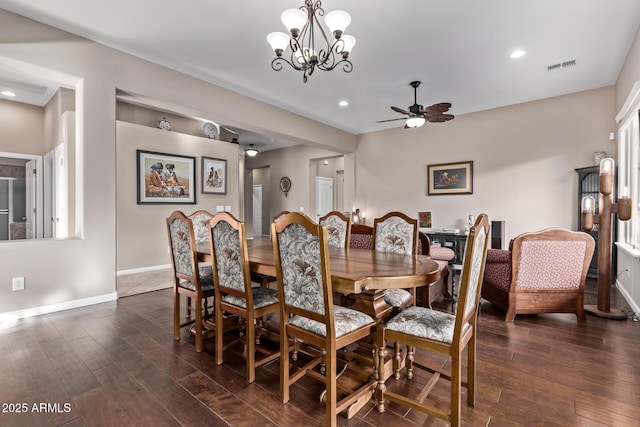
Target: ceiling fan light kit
419,115
304,30
251,151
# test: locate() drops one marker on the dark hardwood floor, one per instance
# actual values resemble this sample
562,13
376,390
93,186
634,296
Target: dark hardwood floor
117,364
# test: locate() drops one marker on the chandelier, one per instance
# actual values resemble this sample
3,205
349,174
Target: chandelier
304,31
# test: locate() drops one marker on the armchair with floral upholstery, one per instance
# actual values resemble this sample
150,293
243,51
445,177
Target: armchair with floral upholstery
542,272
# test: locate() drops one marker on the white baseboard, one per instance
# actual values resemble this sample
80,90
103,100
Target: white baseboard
142,269
634,306
52,308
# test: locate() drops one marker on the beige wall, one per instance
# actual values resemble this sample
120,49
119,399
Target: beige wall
21,128
299,164
629,74
141,229
63,273
524,159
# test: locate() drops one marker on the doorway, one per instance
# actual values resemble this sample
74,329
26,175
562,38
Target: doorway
257,210
324,195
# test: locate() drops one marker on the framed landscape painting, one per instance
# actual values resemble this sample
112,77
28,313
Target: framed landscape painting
450,178
214,176
165,178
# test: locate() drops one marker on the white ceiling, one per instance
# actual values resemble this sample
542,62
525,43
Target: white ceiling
459,49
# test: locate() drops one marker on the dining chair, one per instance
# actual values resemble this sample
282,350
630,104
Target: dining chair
190,279
200,220
396,233
338,228
444,333
307,312
234,293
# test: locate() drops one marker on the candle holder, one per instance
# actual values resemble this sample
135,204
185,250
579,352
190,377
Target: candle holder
607,208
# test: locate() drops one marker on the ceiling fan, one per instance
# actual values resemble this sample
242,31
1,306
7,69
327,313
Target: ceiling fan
418,114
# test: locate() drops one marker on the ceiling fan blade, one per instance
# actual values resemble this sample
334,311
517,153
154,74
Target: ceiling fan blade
391,120
400,110
442,106
440,118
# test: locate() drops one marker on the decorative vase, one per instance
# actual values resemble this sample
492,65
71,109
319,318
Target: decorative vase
598,156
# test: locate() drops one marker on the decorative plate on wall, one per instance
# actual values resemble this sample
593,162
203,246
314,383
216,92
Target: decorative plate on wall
285,185
210,130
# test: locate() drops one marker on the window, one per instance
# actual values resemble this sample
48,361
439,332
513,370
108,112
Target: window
628,167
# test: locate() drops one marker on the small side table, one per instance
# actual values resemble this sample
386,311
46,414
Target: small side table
456,270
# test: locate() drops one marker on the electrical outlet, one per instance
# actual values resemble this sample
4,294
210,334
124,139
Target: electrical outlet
18,283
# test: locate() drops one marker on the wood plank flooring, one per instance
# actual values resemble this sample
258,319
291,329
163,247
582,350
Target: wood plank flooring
117,364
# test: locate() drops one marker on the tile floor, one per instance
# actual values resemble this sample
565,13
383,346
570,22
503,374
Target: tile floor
139,283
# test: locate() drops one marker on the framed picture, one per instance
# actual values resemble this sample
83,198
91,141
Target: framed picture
165,178
214,176
424,219
450,178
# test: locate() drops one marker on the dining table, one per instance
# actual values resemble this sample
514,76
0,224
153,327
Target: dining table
361,275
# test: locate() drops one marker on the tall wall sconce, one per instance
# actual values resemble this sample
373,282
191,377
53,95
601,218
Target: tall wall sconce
607,208
357,217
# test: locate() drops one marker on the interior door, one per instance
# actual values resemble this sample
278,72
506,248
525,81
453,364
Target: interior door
324,195
257,210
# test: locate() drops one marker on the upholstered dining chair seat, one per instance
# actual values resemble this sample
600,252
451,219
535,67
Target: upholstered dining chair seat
262,297
424,323
206,283
345,319
397,297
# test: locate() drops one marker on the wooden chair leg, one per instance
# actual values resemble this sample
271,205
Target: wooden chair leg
284,366
396,360
332,388
199,331
471,370
409,361
455,388
176,315
219,351
381,387
188,310
251,350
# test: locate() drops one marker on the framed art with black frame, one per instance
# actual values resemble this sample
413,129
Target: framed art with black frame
165,178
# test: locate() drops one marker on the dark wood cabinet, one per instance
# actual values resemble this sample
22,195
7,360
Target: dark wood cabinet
589,185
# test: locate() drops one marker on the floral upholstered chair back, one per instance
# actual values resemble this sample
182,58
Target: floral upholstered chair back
396,233
299,260
551,259
200,220
338,227
473,268
181,241
226,244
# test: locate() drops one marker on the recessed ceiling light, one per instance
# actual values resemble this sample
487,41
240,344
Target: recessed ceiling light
518,53
343,103
7,93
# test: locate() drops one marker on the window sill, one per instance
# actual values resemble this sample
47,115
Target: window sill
633,252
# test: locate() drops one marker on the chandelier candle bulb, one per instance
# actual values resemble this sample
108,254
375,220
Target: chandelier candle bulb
624,205
587,208
606,175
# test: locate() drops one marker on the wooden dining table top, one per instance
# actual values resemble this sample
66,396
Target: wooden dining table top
352,270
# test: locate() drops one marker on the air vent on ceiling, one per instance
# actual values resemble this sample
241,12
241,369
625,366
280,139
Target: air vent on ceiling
561,65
